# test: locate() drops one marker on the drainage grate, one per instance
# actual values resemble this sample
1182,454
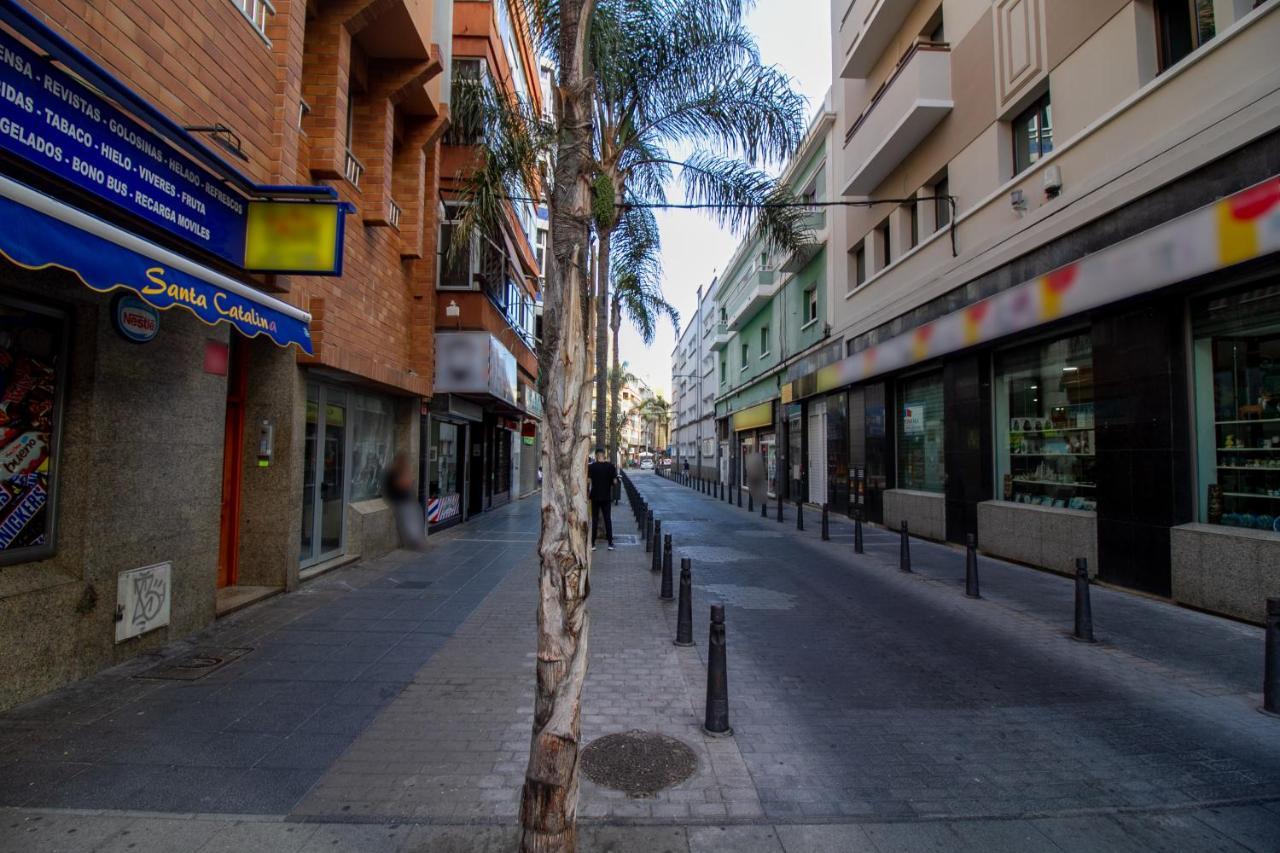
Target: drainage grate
194,666
626,539
638,763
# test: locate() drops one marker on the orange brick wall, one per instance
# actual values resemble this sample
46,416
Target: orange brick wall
201,62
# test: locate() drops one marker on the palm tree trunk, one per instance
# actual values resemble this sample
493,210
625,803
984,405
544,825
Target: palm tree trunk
604,415
615,381
549,799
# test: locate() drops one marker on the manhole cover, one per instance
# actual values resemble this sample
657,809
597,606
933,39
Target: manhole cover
194,666
638,763
625,539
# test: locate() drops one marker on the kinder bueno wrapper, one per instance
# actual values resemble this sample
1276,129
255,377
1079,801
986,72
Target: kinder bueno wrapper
24,454
24,522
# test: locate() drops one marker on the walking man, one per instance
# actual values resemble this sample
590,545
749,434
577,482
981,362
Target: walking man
601,476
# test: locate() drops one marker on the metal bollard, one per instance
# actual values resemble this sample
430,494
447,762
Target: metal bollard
684,617
799,515
665,593
779,504
1084,610
739,488
750,506
826,523
648,531
857,533
904,550
717,718
971,567
1271,665
657,540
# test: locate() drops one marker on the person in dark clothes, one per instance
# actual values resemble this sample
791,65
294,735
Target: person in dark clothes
601,476
397,488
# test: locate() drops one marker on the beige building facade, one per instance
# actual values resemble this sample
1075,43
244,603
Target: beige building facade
1054,284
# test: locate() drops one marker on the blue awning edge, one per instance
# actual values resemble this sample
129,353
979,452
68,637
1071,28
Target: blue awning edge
41,232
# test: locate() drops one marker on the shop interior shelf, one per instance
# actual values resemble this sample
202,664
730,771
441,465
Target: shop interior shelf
1049,431
1251,495
1251,421
1033,453
1254,449
1054,483
1276,468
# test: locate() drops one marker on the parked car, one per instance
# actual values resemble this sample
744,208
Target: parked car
646,464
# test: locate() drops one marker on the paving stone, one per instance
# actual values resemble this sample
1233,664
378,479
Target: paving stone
826,838
738,839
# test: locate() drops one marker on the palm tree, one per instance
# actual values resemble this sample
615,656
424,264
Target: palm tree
681,92
657,411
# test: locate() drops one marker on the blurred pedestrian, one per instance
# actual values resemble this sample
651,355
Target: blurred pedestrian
397,488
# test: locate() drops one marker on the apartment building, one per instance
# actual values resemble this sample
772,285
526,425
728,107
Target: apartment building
693,429
1057,301
483,441
164,467
772,324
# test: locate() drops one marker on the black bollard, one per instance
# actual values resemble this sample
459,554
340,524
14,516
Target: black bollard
904,551
971,567
826,523
750,506
1084,610
799,515
764,508
1271,665
779,504
684,617
857,533
717,720
657,540
666,568
648,531
739,490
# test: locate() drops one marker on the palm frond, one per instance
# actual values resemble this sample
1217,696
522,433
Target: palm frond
741,196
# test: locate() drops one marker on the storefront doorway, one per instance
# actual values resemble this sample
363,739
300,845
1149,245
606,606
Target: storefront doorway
232,463
324,479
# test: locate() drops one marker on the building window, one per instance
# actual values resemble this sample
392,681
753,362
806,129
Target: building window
764,341
745,355
32,348
811,305
1045,447
1182,26
886,246
457,265
941,202
372,429
921,459
1032,134
258,13
860,264
540,249
913,210
1236,362
722,371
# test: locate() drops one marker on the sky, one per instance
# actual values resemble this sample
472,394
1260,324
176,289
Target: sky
795,36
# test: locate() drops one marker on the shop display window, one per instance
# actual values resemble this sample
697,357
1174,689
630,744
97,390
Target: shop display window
32,358
1236,355
921,458
373,427
1044,437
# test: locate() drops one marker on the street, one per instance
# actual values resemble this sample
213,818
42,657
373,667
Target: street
387,706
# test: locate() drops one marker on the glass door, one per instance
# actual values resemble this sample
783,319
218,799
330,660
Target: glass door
325,464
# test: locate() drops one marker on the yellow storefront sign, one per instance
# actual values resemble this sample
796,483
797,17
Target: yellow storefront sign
293,237
754,417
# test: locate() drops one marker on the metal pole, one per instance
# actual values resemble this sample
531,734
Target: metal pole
904,550
971,567
717,716
857,533
657,538
684,618
1084,610
799,515
826,523
1271,666
666,568
648,531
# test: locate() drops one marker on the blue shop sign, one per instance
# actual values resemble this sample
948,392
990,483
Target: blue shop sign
50,119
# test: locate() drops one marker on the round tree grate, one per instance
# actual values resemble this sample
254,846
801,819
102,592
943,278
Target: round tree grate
639,763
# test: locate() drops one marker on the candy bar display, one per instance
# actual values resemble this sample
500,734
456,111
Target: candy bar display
1237,368
1045,437
30,344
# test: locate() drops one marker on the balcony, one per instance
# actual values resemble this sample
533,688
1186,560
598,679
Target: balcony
903,112
867,28
759,288
815,224
721,338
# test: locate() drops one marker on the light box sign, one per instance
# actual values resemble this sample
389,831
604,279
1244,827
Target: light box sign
285,237
49,119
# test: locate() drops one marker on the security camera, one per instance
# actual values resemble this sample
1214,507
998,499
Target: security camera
1018,201
1052,181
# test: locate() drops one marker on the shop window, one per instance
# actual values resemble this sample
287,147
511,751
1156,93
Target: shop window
444,490
921,461
372,444
1045,442
32,363
1237,406
1032,134
1182,26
